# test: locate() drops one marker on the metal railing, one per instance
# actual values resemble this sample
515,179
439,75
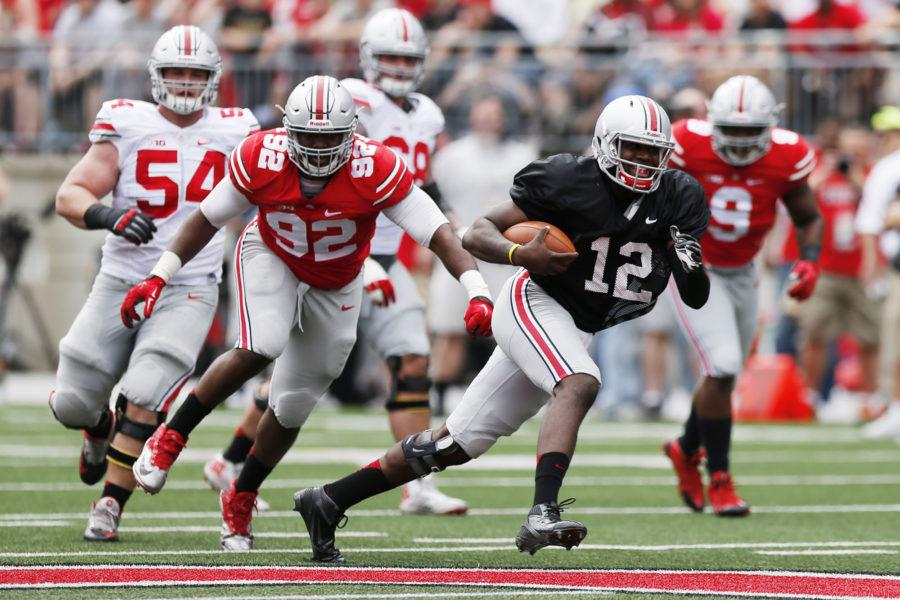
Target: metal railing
49,94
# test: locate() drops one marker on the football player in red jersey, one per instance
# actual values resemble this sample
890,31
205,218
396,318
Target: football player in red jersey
319,188
745,164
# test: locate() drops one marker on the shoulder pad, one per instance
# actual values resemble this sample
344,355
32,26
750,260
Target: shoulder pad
258,159
364,94
116,117
378,172
428,111
797,154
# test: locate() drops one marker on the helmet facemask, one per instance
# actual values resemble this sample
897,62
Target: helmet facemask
318,161
741,145
183,96
636,176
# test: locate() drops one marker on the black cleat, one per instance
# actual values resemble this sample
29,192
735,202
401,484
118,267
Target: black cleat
322,516
543,527
92,463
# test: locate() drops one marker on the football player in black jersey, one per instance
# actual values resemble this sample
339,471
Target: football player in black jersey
633,223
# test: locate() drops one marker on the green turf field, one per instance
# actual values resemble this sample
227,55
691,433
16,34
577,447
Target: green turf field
823,501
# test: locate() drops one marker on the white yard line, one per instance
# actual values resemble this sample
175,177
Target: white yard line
823,552
512,482
481,512
672,547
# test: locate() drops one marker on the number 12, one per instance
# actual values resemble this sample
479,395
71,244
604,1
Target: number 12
620,289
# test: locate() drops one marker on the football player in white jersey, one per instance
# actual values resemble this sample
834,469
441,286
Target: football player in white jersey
159,161
392,52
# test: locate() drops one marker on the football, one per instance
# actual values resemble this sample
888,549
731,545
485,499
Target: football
522,233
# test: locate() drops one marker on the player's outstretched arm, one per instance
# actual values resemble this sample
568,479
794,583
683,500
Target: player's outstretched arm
686,261
222,204
800,203
485,240
92,178
421,219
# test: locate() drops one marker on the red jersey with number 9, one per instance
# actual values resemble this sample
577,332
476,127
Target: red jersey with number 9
324,240
742,200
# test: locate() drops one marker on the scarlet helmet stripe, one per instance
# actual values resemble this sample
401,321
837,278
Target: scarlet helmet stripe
741,95
187,41
320,84
654,115
405,28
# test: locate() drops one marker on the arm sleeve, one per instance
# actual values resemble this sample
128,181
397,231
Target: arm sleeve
417,215
879,191
224,203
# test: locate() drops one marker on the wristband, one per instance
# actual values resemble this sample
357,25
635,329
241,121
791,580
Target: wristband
475,284
810,252
96,216
512,250
167,265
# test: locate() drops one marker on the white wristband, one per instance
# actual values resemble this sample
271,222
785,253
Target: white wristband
475,284
167,265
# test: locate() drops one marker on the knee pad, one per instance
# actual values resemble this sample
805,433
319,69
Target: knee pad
426,455
292,410
133,429
72,411
407,393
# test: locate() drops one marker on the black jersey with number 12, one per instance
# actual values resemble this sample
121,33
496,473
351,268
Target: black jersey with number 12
623,261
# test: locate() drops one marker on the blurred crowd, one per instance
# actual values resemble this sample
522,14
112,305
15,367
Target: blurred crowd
555,62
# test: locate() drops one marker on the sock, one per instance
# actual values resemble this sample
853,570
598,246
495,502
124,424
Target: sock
119,493
239,447
716,434
252,475
356,487
690,441
101,429
548,476
440,394
188,416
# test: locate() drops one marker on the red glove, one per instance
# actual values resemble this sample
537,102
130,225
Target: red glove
478,316
381,292
148,292
803,279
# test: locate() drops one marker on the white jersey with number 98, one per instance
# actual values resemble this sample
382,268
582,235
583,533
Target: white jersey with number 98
165,171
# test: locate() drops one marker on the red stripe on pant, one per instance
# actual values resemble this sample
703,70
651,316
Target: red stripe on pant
543,345
167,403
242,302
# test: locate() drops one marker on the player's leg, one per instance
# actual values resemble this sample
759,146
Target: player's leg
823,317
93,355
222,469
397,333
446,301
715,330
312,359
267,303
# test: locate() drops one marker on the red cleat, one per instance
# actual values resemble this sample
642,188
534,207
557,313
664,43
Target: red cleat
237,512
725,501
152,466
687,468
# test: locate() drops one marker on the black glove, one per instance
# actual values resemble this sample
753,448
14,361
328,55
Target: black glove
687,249
131,224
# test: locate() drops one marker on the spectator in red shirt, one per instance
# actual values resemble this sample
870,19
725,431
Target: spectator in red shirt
830,15
840,303
679,16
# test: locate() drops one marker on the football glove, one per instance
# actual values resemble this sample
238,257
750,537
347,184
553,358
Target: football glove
478,316
131,224
803,279
687,249
148,292
377,283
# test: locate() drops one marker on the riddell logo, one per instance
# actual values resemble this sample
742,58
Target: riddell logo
325,123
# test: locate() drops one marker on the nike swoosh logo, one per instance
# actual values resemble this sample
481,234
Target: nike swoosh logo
203,142
194,297
142,472
650,221
345,308
332,213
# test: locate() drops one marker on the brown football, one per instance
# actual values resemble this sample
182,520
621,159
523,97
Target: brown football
556,240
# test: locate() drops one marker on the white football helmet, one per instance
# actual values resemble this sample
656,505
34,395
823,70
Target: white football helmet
319,106
745,102
636,120
393,32
185,47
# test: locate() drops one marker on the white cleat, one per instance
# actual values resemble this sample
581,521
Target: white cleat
422,497
152,466
886,426
103,521
219,473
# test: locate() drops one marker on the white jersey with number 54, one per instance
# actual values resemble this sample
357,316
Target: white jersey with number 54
165,171
412,134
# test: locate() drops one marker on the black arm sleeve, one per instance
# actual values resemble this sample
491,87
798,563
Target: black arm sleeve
692,287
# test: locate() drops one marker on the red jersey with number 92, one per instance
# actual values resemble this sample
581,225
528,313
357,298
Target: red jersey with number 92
742,200
324,240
